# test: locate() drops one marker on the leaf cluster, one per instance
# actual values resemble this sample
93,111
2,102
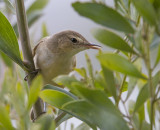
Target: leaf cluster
133,32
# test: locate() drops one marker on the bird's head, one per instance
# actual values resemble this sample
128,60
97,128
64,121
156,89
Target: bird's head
72,42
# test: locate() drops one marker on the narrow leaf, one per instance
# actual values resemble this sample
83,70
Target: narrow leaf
110,81
82,126
131,85
44,122
120,64
158,56
4,119
90,69
55,98
8,41
148,12
82,72
34,91
144,93
67,81
112,40
83,111
103,15
99,104
44,30
37,5
8,62
48,86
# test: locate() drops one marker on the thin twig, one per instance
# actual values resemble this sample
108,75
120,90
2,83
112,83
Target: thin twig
59,117
127,114
147,60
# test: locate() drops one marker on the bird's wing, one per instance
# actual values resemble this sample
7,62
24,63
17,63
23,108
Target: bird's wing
35,48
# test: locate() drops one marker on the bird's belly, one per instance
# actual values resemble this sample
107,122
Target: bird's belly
52,70
57,70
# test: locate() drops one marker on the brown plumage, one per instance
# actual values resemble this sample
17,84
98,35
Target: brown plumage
55,55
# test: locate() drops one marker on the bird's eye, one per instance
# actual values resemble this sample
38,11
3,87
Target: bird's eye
73,40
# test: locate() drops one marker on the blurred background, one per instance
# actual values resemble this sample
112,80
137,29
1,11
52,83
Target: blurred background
58,16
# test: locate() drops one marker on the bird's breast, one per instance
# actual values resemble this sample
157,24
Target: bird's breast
52,65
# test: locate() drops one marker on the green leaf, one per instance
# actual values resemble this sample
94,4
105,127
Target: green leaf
67,81
48,86
112,40
37,5
34,91
90,69
145,126
44,30
141,114
82,72
158,57
44,122
97,110
103,15
146,9
110,81
155,41
144,93
55,97
101,102
8,41
142,96
131,86
8,62
83,111
131,105
18,98
82,126
156,4
100,82
4,118
120,64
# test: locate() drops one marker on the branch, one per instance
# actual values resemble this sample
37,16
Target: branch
38,108
57,119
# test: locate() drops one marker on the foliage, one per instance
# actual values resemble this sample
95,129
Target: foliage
94,98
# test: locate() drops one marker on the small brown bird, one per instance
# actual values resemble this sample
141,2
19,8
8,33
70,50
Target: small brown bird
55,55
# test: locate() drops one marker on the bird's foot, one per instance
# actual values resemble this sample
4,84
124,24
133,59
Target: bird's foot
35,72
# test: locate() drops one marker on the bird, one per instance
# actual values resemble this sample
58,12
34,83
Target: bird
55,55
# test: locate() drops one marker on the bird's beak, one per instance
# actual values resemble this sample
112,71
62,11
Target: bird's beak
92,46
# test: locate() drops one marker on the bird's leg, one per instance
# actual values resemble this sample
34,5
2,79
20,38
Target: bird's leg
35,72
